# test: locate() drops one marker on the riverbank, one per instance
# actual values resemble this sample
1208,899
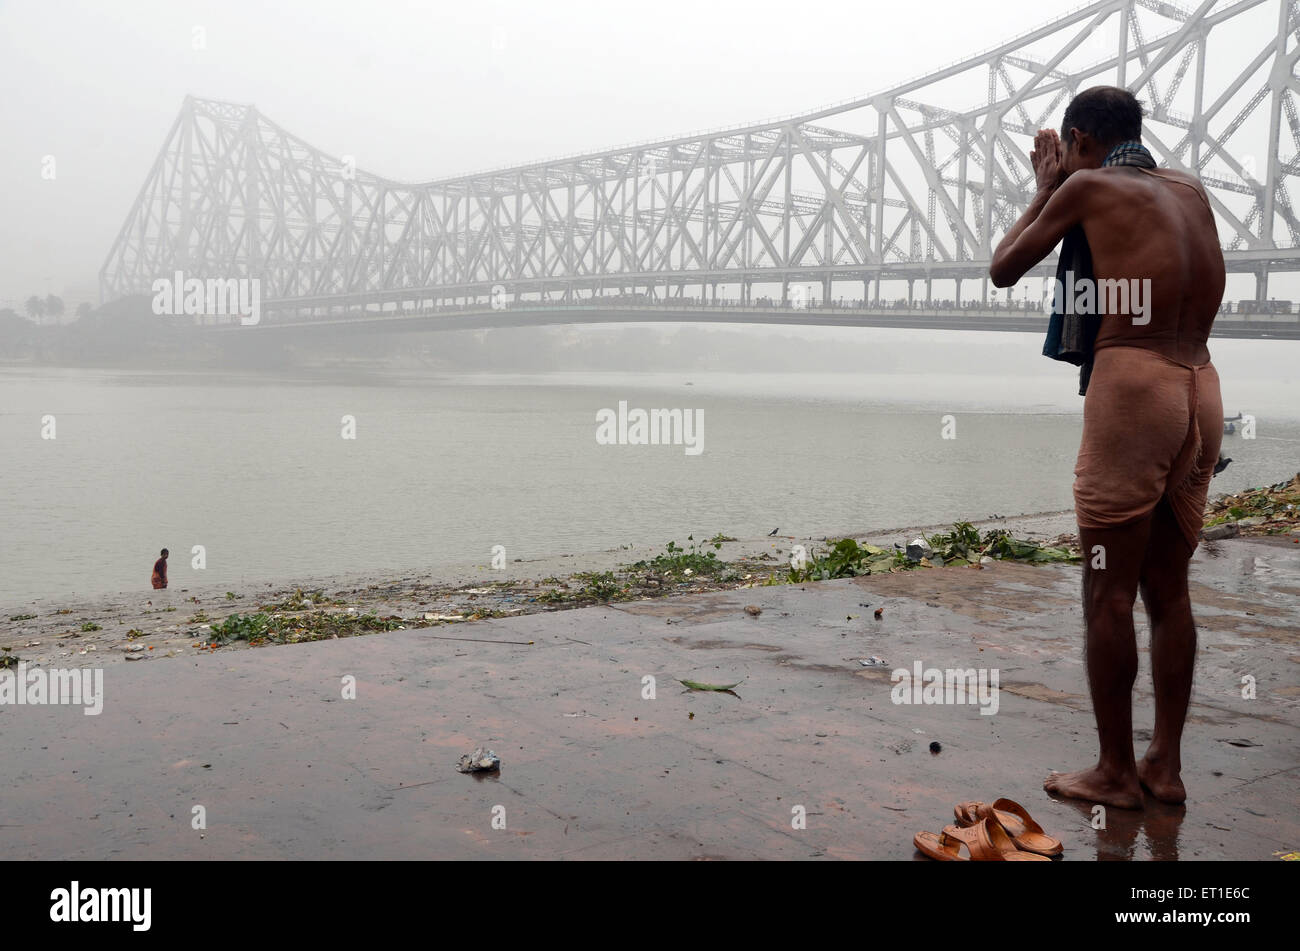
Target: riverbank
189,619
180,620
347,749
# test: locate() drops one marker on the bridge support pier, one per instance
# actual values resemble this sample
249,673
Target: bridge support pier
1261,286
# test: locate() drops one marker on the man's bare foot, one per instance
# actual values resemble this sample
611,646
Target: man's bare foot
1094,785
1161,779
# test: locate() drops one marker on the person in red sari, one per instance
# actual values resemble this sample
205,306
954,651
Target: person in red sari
160,571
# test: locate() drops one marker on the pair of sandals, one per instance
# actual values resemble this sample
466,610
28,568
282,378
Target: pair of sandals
1002,832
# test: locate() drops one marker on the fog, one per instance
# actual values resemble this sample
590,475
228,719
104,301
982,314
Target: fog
418,91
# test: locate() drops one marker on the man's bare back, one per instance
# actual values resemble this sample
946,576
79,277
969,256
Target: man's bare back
1156,225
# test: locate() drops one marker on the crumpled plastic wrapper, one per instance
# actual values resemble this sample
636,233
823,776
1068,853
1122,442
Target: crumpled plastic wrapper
480,761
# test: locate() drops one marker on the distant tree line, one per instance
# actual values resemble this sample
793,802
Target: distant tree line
51,305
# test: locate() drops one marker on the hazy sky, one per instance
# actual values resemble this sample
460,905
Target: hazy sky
417,90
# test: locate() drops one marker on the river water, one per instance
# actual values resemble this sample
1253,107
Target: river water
256,470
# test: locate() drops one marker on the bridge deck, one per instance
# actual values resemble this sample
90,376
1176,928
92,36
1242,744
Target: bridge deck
1285,326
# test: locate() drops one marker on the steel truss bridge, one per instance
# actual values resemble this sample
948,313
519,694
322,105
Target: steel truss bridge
910,187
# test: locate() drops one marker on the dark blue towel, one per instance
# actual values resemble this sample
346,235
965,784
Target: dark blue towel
1070,337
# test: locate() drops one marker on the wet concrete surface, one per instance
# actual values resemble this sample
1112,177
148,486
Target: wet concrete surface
285,767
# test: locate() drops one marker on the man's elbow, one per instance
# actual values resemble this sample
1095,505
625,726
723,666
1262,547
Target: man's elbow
1001,276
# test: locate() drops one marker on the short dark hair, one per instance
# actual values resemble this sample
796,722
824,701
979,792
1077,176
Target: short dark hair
164,552
1109,114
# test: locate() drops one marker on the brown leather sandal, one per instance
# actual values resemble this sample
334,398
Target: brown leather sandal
1015,821
984,842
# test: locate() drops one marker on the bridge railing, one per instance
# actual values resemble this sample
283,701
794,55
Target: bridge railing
1246,310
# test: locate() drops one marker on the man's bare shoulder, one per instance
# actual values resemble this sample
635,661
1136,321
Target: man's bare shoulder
1088,183
1175,175
1183,178
1125,178
1077,188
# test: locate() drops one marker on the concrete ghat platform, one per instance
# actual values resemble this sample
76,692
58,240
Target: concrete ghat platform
286,768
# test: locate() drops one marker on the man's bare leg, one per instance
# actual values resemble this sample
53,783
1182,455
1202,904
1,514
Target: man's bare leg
1110,650
1173,653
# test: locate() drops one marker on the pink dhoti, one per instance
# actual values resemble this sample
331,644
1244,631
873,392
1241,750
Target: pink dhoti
1151,430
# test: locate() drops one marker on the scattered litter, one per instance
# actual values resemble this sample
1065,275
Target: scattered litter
133,656
444,617
918,550
753,610
696,685
873,661
935,747
480,761
1239,742
476,640
1266,510
879,613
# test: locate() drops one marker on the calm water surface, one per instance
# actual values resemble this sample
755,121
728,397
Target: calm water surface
443,468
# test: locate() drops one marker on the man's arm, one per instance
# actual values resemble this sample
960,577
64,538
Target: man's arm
1057,206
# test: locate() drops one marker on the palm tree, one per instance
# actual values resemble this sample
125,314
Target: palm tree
54,306
35,308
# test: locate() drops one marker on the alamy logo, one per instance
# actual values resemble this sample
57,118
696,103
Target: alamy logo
235,296
935,686
103,904
1109,297
56,686
655,427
